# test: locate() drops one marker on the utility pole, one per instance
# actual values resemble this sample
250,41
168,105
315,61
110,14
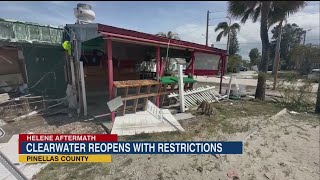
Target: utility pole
304,37
207,28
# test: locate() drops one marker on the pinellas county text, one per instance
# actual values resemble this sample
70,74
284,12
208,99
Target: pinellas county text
131,147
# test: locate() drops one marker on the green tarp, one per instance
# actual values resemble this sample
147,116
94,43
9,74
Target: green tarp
173,79
45,70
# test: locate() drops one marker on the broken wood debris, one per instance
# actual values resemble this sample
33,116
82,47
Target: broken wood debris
206,108
22,107
4,97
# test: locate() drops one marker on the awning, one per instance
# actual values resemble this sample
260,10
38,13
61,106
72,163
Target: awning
134,36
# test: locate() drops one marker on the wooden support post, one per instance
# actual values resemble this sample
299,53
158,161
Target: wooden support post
158,72
229,89
192,64
73,79
136,100
222,58
110,72
158,63
164,87
83,89
126,89
146,98
181,89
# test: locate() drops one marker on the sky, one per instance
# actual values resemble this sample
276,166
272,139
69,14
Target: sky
188,18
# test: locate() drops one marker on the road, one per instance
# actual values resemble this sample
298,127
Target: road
245,79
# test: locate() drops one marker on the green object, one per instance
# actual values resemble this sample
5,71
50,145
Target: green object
67,46
45,70
234,97
173,79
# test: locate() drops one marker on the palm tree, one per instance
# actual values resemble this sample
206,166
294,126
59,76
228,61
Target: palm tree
226,29
169,35
270,12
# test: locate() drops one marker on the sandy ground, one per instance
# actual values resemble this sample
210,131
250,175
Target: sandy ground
283,147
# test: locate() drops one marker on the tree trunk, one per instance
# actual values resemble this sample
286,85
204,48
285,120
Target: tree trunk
261,86
318,99
277,51
277,57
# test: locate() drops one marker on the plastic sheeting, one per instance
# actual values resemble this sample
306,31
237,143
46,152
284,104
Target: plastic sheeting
205,61
15,31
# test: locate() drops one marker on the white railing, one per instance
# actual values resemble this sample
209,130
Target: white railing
195,96
154,110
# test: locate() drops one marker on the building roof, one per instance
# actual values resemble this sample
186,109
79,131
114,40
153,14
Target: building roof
114,32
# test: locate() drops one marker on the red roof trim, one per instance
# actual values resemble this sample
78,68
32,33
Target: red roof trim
114,31
104,34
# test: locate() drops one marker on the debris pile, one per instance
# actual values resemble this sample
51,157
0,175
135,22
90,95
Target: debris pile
206,108
18,108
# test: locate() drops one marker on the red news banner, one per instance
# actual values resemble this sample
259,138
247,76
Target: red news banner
29,139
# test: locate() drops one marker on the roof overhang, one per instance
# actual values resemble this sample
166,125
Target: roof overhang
119,34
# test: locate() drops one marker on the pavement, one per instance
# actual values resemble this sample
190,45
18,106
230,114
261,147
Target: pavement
245,79
10,150
144,122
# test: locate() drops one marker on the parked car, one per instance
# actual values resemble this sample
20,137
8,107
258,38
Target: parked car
314,75
243,68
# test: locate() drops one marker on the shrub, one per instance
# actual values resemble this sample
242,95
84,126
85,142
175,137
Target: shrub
296,97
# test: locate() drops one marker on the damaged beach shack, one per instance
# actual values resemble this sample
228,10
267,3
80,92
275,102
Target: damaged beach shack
106,62
31,59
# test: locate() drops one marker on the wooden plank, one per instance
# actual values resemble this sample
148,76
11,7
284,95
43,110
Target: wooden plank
164,87
136,100
4,97
158,86
142,96
125,101
135,83
146,98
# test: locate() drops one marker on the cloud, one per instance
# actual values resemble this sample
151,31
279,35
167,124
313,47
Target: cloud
249,35
187,19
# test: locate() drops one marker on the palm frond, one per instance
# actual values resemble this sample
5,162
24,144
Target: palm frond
221,26
169,35
219,36
162,34
235,26
246,15
256,14
225,33
236,9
